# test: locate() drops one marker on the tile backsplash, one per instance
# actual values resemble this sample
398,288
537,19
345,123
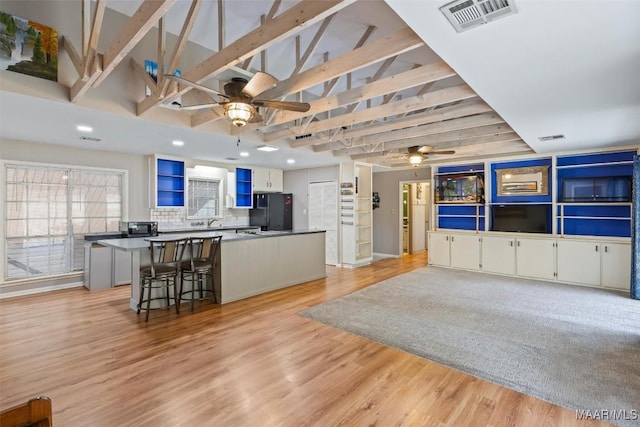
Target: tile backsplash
176,218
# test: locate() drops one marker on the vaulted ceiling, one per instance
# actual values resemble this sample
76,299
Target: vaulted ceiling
375,88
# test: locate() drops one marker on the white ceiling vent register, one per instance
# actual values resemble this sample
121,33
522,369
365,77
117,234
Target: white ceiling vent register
467,14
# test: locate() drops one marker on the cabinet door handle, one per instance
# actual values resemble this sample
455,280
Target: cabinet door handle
606,248
511,243
452,238
447,238
518,244
596,248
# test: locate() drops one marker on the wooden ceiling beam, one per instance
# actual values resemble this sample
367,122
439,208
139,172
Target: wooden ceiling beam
442,96
76,59
274,9
92,47
396,43
149,12
445,113
418,131
80,87
449,140
181,43
398,82
289,22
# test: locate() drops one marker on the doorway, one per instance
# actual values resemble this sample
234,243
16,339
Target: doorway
415,205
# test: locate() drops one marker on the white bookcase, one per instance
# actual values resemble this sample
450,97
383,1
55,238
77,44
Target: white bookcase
356,214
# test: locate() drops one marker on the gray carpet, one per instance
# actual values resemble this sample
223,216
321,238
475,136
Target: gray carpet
573,346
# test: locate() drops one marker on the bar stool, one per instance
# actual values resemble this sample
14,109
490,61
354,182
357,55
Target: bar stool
162,274
203,254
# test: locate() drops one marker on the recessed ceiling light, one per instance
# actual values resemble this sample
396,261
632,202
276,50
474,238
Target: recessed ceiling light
177,143
267,148
244,154
84,128
291,161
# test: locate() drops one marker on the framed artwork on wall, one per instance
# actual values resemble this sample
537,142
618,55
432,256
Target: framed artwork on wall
28,47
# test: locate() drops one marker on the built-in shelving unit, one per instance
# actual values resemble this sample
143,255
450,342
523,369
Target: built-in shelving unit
356,214
244,188
459,197
594,194
168,175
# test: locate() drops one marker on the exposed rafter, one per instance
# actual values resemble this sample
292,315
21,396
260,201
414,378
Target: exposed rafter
284,25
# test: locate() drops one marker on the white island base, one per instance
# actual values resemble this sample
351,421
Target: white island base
248,265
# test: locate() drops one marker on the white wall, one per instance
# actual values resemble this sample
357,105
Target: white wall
297,182
386,219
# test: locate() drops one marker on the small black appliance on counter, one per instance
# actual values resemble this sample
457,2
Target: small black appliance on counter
272,211
139,228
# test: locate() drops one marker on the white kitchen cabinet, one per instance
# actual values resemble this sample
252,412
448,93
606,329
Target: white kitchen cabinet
268,180
536,258
616,265
465,251
499,254
439,249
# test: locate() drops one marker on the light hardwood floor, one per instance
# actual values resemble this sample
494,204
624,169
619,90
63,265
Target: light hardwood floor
254,362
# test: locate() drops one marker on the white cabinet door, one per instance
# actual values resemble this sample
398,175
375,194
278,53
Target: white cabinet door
499,254
616,265
260,179
276,180
465,251
535,258
579,262
439,250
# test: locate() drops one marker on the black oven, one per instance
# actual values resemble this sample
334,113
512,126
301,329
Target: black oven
140,228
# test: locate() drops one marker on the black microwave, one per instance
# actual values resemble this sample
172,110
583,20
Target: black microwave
140,228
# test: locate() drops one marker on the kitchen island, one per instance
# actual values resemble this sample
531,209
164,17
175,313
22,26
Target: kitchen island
248,264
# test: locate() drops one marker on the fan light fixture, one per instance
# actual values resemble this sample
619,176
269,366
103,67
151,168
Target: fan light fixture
238,112
415,159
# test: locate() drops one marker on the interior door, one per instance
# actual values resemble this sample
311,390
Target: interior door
418,215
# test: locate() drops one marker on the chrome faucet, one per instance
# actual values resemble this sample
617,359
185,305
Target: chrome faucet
211,221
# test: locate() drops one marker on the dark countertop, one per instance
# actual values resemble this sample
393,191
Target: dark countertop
102,236
142,243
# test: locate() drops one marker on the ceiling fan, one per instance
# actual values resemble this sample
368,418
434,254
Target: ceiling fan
419,153
239,98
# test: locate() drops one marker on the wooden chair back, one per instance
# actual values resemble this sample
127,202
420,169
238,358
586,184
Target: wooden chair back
36,412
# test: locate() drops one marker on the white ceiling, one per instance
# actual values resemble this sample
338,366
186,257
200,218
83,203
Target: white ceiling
565,67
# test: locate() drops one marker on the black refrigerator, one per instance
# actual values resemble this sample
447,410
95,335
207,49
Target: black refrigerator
272,211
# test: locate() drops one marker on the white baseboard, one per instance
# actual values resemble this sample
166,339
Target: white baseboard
377,255
40,290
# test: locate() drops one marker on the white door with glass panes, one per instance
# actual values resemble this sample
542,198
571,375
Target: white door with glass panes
323,215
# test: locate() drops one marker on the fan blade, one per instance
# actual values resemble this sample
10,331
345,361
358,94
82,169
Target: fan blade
193,85
444,152
258,84
301,107
198,106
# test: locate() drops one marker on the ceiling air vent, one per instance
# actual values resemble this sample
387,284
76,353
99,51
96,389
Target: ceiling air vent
551,137
90,138
467,14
